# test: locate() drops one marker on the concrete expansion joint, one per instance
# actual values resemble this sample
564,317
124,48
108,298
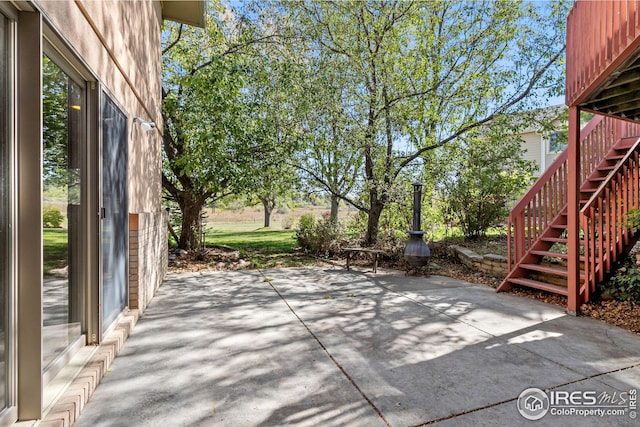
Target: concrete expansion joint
514,399
600,374
456,319
326,351
469,411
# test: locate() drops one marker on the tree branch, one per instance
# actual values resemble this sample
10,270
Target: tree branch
173,43
536,76
331,190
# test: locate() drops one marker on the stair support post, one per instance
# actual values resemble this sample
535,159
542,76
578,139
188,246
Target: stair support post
573,212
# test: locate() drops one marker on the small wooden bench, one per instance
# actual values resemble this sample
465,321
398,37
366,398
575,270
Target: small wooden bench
374,252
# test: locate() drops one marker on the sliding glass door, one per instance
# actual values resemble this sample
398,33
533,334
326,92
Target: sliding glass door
5,207
115,217
63,151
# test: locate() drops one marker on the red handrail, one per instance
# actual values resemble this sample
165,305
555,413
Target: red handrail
603,217
547,198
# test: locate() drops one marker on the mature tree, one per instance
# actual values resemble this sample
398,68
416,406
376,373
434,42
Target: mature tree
329,160
206,153
272,128
427,73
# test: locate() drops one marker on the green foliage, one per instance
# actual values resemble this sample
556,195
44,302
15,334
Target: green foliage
205,152
305,233
414,77
632,219
625,284
51,217
490,173
54,124
323,238
354,93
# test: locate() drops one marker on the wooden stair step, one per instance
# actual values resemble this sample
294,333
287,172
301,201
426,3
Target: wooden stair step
555,239
561,272
540,285
546,269
625,143
559,226
554,254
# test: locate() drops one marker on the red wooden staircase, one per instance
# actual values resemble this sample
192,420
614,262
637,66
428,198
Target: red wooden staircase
610,186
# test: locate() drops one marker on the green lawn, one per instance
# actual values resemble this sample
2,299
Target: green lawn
265,247
265,240
55,247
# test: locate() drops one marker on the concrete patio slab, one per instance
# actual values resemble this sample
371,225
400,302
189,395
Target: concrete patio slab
325,346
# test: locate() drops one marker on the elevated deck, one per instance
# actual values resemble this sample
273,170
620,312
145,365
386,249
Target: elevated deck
603,57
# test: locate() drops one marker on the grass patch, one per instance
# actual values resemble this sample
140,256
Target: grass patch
265,247
55,248
263,240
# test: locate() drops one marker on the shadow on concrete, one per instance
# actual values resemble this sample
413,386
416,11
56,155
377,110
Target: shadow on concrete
225,349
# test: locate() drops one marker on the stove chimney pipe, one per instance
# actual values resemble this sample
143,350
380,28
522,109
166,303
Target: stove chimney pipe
416,251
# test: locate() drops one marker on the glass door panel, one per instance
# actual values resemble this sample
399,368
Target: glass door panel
5,241
63,104
115,216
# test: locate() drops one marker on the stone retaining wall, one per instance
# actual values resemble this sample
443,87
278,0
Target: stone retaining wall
496,265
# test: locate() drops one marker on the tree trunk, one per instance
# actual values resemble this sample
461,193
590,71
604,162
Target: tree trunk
268,205
334,208
373,221
190,216
173,232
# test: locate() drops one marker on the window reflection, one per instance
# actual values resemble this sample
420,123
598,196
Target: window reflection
62,194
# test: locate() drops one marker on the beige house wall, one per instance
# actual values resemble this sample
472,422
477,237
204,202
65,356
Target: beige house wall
550,158
120,43
537,150
532,143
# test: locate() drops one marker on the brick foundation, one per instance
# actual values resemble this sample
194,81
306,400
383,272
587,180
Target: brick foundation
148,256
68,407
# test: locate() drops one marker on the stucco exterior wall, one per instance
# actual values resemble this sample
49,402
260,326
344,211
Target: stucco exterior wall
120,43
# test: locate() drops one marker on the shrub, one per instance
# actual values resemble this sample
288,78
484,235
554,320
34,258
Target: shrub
306,230
632,219
490,173
288,221
51,217
323,238
625,284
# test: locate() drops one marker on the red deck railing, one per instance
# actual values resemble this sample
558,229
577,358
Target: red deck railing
600,36
547,199
603,217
